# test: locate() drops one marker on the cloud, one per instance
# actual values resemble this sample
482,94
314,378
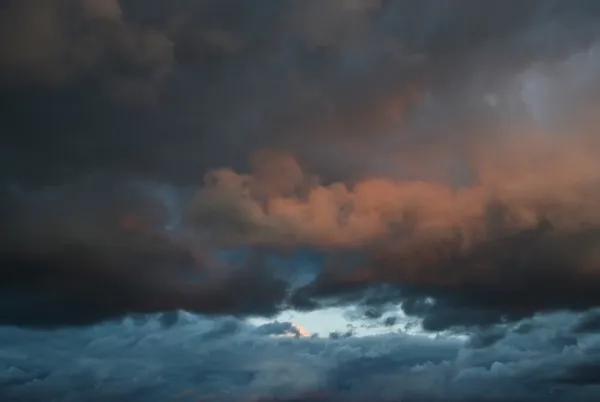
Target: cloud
58,41
519,240
418,158
424,164
64,249
588,323
228,83
277,328
142,361
516,186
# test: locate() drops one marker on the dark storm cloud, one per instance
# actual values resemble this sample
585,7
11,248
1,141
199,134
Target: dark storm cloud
500,280
232,76
58,42
141,361
79,285
99,96
70,258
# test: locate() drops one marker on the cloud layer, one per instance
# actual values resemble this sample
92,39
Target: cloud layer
428,163
229,158
188,358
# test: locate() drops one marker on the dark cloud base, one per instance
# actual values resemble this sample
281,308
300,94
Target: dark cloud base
498,281
115,112
80,286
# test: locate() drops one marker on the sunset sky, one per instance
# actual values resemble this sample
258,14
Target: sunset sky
300,200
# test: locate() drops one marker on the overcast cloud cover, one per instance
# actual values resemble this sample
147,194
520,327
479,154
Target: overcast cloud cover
431,160
190,358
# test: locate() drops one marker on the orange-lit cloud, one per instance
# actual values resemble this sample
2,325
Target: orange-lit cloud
532,177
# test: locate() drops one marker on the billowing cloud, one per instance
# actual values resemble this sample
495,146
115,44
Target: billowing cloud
516,186
142,360
441,156
521,238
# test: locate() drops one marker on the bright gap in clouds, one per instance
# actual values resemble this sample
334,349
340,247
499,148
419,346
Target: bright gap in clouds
319,322
301,268
338,321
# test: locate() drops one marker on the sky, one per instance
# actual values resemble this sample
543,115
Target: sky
299,200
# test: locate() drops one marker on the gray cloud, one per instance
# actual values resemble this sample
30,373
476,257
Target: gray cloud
312,79
62,41
355,125
144,362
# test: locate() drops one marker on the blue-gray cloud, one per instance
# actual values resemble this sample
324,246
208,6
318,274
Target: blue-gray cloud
144,361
